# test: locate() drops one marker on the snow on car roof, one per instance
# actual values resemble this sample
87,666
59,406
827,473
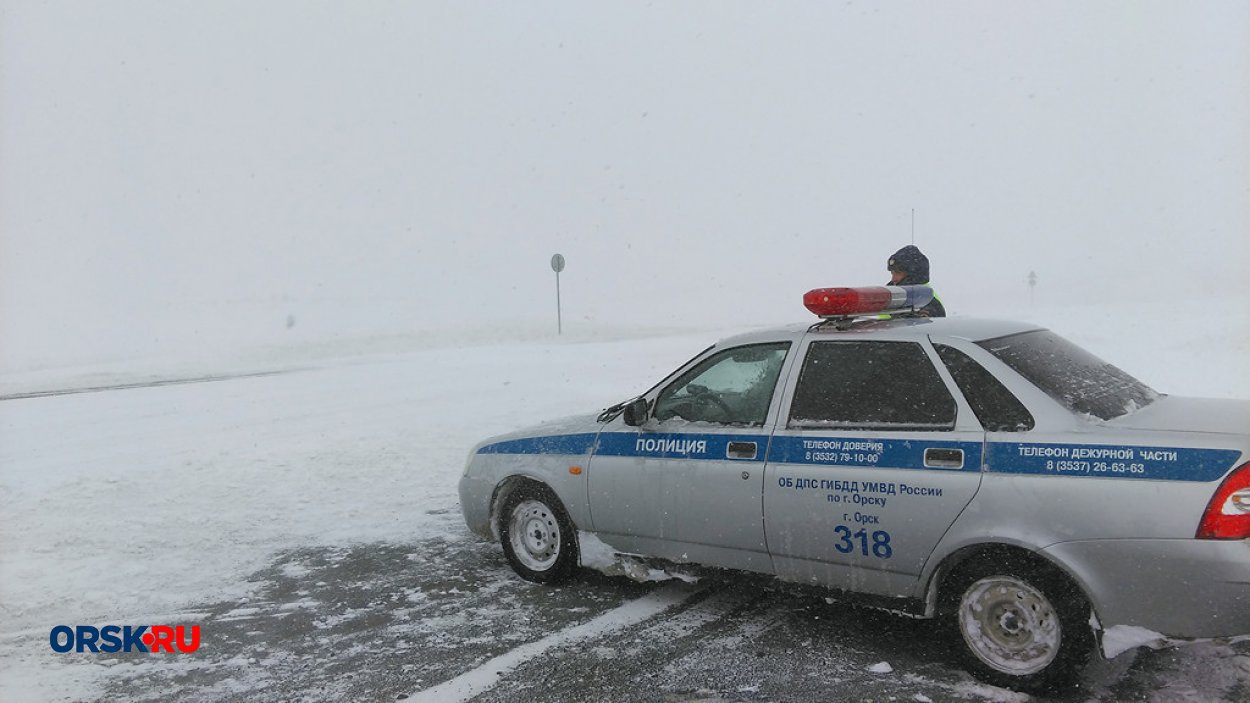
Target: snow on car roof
969,328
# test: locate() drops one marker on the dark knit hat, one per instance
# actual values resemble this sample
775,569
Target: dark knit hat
910,261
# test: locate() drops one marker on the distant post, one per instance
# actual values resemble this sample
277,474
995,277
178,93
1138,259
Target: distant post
1032,283
557,265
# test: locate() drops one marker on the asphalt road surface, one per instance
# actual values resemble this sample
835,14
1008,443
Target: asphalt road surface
445,620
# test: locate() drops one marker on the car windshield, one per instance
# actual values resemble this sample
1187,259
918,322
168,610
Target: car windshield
1079,380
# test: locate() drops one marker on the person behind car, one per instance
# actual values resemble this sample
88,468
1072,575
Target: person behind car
910,267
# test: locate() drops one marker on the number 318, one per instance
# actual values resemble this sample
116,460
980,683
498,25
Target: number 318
848,541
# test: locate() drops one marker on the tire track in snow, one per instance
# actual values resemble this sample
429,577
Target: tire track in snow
714,608
143,384
484,677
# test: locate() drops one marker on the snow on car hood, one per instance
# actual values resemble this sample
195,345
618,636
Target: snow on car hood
1183,414
576,424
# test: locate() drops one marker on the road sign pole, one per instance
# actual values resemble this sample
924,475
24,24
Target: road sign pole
557,265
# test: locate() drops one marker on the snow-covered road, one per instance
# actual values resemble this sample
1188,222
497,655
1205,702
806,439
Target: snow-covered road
123,505
223,500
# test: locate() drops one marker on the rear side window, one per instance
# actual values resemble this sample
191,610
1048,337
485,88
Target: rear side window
871,385
996,408
1078,380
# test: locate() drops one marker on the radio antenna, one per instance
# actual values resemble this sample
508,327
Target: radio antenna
913,226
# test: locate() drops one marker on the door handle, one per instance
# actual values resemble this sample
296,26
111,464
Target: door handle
937,458
741,450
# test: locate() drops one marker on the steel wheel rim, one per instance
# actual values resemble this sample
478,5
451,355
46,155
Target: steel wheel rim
1009,625
535,535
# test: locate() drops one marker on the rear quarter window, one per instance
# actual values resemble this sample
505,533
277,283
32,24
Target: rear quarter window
996,408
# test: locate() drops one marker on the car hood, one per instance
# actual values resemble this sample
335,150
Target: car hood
1183,414
566,426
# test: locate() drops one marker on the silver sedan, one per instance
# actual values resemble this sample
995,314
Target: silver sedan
991,474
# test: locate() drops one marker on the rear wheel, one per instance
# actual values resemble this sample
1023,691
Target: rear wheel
537,535
1023,626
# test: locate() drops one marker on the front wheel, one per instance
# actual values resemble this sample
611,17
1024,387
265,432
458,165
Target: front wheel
1023,627
537,535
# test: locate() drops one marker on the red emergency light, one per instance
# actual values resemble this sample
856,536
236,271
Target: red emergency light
869,300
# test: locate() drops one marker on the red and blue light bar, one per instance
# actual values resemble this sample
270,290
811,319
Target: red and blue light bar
869,300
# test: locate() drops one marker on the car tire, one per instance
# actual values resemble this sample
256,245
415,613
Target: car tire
537,535
1023,626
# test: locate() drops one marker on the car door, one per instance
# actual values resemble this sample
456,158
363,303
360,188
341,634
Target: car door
687,484
872,461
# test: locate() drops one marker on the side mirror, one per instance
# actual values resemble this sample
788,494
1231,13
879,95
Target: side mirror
636,412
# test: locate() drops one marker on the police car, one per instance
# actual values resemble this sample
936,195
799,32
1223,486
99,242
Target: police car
987,473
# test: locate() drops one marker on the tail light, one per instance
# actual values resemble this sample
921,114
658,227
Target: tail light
1228,514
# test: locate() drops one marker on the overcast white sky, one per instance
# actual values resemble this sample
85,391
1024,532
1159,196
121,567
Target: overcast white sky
175,174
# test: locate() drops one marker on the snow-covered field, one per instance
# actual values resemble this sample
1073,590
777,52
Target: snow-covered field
134,505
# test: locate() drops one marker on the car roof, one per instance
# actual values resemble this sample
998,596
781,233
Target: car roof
972,329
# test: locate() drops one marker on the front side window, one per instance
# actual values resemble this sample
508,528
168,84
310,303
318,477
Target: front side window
1078,380
733,387
871,385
